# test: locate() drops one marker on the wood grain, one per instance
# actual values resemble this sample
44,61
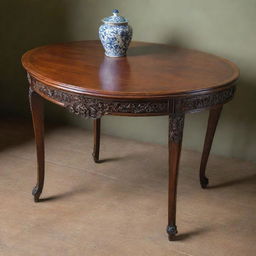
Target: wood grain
150,70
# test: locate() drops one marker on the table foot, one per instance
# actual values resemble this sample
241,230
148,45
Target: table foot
171,231
204,182
95,158
36,192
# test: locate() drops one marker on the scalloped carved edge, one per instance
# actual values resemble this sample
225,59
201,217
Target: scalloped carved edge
199,102
92,107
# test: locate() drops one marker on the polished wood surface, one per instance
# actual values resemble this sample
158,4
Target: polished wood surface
96,146
150,70
154,79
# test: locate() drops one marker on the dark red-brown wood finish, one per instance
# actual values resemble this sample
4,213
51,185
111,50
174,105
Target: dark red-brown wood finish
154,79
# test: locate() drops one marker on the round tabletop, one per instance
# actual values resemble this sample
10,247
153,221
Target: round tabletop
148,71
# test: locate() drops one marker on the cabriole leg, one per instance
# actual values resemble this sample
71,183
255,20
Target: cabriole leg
96,148
37,110
176,125
211,128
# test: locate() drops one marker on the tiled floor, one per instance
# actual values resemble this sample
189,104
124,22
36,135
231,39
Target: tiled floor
119,207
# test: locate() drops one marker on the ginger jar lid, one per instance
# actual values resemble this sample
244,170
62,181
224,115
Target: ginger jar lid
115,19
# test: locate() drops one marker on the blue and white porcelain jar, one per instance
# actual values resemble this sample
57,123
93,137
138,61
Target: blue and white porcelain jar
115,35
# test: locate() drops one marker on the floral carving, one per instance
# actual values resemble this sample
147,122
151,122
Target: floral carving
176,127
96,107
171,230
196,103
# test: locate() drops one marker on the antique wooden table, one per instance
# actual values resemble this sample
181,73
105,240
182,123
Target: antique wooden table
154,79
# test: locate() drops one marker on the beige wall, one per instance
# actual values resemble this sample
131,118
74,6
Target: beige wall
222,27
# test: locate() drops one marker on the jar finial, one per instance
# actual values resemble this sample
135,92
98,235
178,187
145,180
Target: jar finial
115,12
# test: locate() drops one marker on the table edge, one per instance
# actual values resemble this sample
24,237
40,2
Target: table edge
131,96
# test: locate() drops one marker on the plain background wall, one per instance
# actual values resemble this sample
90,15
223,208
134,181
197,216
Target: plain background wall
221,27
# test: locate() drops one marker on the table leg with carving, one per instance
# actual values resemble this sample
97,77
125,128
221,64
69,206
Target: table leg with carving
37,110
96,134
214,116
176,125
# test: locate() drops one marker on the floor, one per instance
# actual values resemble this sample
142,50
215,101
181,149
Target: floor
119,207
